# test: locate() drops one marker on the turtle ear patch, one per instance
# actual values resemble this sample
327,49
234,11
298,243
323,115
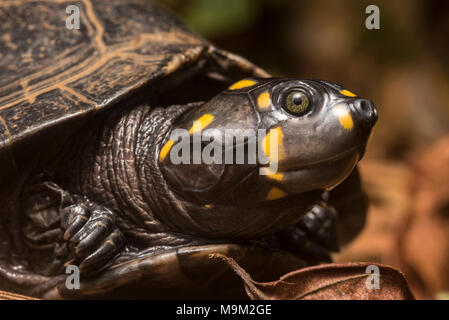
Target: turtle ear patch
245,83
275,144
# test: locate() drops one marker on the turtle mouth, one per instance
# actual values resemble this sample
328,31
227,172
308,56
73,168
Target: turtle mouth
316,176
305,178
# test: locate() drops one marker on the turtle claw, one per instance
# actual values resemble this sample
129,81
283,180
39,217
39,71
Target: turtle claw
297,241
92,233
314,235
73,219
320,224
109,247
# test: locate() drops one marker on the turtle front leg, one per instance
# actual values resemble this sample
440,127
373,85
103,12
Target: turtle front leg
90,229
314,235
92,233
333,222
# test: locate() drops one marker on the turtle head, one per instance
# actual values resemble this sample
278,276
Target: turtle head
267,143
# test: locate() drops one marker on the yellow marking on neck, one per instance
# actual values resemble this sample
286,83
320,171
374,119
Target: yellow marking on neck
165,150
208,206
242,84
347,93
263,100
277,143
275,193
344,117
201,123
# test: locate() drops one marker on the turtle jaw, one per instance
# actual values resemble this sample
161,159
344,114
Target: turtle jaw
357,149
289,182
322,175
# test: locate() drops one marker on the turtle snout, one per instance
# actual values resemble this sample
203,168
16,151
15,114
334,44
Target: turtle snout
367,114
366,110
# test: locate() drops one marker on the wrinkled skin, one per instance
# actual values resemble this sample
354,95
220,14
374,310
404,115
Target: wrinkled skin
113,191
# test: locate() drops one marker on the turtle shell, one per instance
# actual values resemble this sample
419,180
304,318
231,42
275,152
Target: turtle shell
51,74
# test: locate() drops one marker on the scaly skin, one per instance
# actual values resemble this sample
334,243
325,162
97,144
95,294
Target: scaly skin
118,175
129,204
113,191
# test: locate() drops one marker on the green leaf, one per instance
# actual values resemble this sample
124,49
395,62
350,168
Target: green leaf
213,18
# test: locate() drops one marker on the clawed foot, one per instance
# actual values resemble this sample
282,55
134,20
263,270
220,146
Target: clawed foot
314,235
92,232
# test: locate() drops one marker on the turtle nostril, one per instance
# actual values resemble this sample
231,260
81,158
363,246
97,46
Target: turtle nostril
367,109
364,105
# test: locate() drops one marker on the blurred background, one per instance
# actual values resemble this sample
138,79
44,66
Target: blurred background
404,69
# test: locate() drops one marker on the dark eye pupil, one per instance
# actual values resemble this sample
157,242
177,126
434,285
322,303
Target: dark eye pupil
297,100
297,103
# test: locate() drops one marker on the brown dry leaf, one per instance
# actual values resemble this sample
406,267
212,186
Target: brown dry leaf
387,185
423,246
326,282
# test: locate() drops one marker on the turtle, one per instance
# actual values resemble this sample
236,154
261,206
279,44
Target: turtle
96,124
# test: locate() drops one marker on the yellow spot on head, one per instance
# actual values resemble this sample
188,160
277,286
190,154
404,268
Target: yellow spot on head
267,145
263,100
165,149
347,93
344,117
201,123
242,84
275,193
208,206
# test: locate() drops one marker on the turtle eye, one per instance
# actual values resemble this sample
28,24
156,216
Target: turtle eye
297,103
